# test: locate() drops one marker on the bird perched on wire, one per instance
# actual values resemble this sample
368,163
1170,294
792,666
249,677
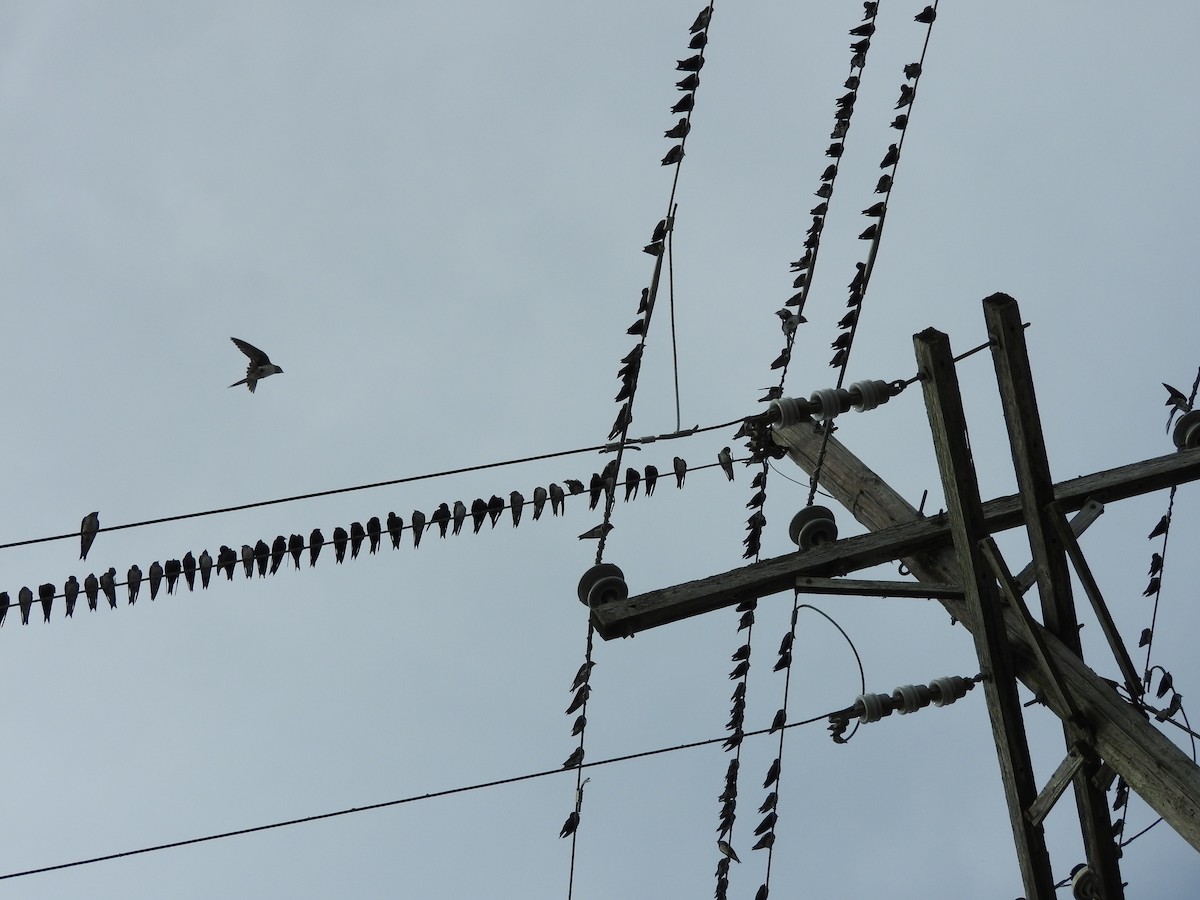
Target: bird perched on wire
596,533
374,533
260,365
189,570
46,597
206,564
87,533
441,518
460,516
539,501
295,548
134,580
358,534
70,592
340,537
727,851
395,527
725,458
926,16
680,471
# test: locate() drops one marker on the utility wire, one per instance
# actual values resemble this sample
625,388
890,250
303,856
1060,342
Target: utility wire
387,803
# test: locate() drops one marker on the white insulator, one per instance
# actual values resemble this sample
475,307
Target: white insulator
947,689
872,707
872,394
1083,883
792,410
910,697
829,402
1187,431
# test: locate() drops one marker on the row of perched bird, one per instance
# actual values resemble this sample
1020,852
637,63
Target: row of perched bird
267,559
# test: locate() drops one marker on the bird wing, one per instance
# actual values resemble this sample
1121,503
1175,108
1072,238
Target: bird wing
257,357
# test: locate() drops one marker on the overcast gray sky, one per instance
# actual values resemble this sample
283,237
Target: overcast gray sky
431,215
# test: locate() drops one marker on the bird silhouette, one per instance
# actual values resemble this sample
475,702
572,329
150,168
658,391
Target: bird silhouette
574,759
772,774
926,16
247,562
262,557
691,64
865,30
155,577
574,485
340,538
70,593
358,534
441,518
674,155
374,533
765,842
870,9
1164,685
685,104
580,697
418,525
727,851
1160,528
1152,587
5,602
891,157
688,83
460,516
739,670
785,660
702,20
570,825
539,501
316,540
206,565
46,598
900,122
582,676
633,478
87,533
767,824
296,547
596,533
25,601
742,652
189,570
226,559
1156,564
108,584
479,510
395,527
91,590
133,579
558,499
1145,638
260,365
680,471
516,502
638,327
595,488
699,41
278,552
678,130
580,724
172,569
884,184
725,458
651,479
495,509
912,71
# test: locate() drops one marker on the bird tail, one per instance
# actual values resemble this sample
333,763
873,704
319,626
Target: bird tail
236,383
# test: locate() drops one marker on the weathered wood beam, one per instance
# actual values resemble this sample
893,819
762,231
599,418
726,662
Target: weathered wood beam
864,587
1036,489
943,402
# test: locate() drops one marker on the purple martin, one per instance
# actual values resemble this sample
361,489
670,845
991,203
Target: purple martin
782,359
1146,636
891,157
134,579
5,602
637,328
1156,564
70,591
785,661
688,83
699,41
906,97
596,533
260,365
395,525
189,570
570,825
460,516
684,104
725,458
870,9
859,48
574,759
900,122
786,643
340,538
558,499
759,480
691,64
46,597
87,533
660,232
651,479
732,742
746,620
842,102
865,30
226,559
278,552
926,16
679,130
441,518
594,490
680,471
767,824
316,540
582,676
702,20
633,478
740,670
579,699
835,150
357,535
674,155
247,563
765,842
374,532
25,601
870,232
1160,528
296,547
1173,707
757,500
479,509
1165,685
156,576
643,305
912,71
575,486
515,504
884,185
839,359
727,851
91,590
770,802
206,564
825,191
841,341
772,774
580,724
262,555
108,584
742,652
495,508
418,525
1175,398
1153,586
828,175
171,568
876,210
539,501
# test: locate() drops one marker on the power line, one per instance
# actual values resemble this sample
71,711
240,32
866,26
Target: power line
387,803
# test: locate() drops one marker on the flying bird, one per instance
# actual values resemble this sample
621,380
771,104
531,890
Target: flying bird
156,577
108,584
358,534
725,458
25,601
678,130
278,552
171,568
226,559
206,564
574,759
516,502
418,525
395,525
316,540
479,510
262,556
374,532
596,533
247,563
70,591
633,478
87,533
558,499
651,479
926,16
539,501
46,598
680,471
570,825
495,508
460,516
296,547
1160,528
260,365
340,538
727,851
189,570
134,580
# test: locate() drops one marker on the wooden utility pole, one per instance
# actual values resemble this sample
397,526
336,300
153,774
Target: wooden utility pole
956,562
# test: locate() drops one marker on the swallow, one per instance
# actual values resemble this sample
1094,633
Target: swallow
784,357
595,488
1122,795
1173,707
226,559
870,10
247,562
91,590
25,601
688,83
839,359
727,851
87,533
759,498
699,41
570,825
278,552
1165,685
358,534
70,592
906,96
739,670
1146,637
316,540
633,478
772,774
458,516
260,365
418,525
912,71
1152,587
769,803
765,842
374,532
340,537
558,499
579,699
108,584
767,824
1160,528
900,122
702,20
742,652
841,341
678,130
575,486
876,210
580,724
870,232
582,676
884,185
189,570
865,30
638,327
134,579
495,508
539,501
680,471
785,660
926,16
686,103
46,598
296,547
674,155
891,157
1156,564
156,577
596,533
725,458
691,64
732,743
835,150
395,525
860,48
5,602
262,556
205,565
825,191
574,759
479,510
1177,401
171,568
660,233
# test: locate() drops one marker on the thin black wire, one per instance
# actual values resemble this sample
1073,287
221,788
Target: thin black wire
671,297
387,803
